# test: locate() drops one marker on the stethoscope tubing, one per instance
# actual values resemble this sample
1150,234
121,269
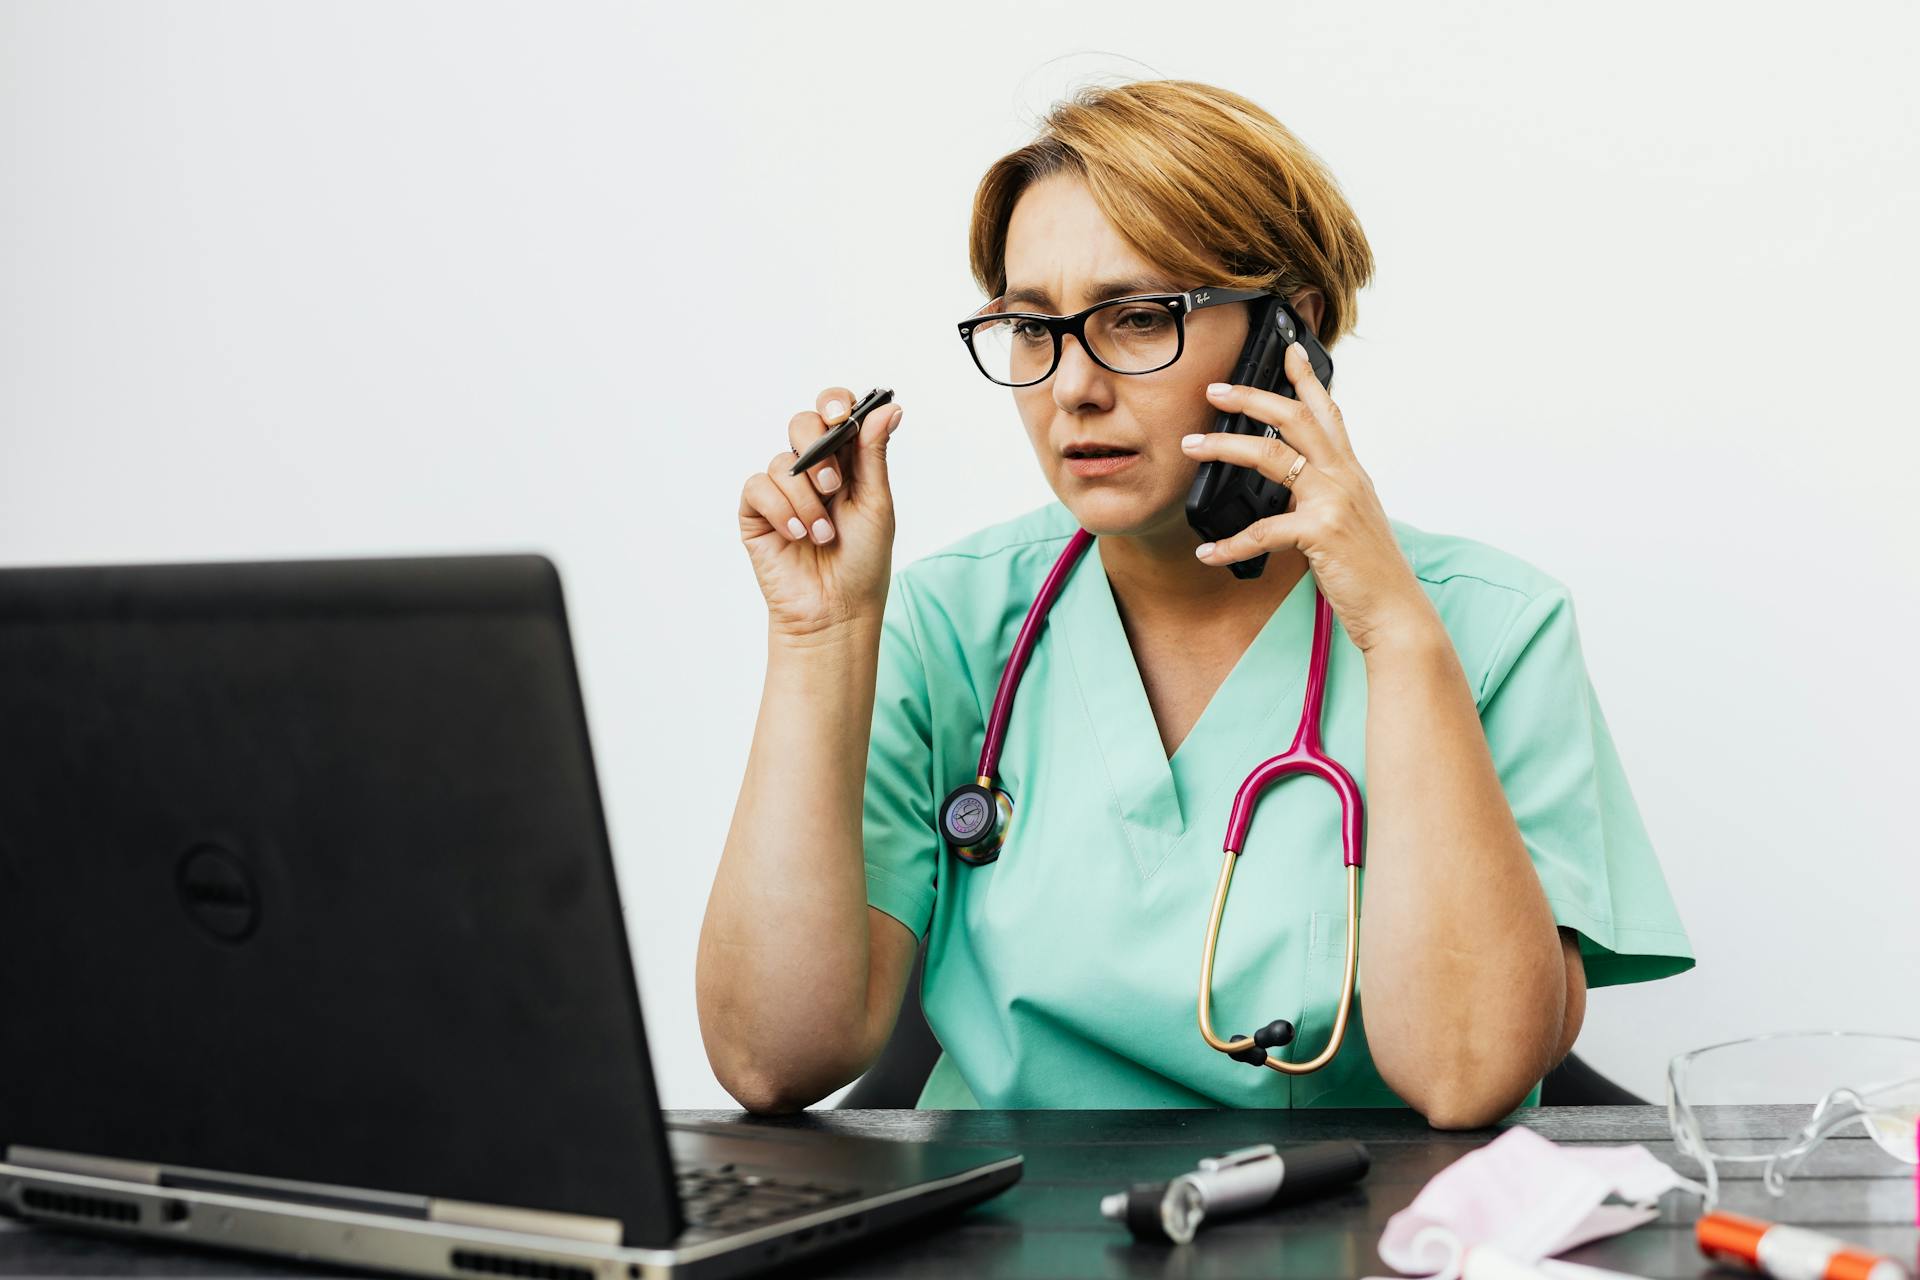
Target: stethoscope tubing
1023,649
1304,755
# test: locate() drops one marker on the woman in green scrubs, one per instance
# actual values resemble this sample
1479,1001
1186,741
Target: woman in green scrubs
1507,869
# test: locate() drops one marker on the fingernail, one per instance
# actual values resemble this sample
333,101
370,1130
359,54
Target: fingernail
822,531
1204,550
897,415
828,480
1221,388
797,529
834,411
1191,442
1297,349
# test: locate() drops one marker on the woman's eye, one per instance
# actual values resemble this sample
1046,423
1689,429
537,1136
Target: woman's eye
1150,320
1030,331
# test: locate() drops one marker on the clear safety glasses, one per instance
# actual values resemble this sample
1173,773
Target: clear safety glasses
1810,1084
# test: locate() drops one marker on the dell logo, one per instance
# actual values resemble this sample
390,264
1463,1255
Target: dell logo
218,893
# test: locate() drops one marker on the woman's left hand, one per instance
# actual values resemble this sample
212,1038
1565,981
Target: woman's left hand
1336,519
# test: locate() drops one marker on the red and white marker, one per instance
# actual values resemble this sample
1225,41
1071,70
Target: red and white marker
1789,1253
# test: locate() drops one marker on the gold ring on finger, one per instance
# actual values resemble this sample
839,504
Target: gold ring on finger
1293,472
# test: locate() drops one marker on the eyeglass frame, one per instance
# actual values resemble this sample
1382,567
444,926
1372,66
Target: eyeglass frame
1180,305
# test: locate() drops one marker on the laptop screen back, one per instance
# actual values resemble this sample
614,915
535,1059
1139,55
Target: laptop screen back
303,874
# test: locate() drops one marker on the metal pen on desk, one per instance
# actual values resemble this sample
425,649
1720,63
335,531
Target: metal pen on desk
843,432
1243,1181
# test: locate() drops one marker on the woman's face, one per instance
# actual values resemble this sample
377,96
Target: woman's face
1061,246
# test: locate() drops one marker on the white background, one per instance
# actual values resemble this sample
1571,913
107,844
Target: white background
317,279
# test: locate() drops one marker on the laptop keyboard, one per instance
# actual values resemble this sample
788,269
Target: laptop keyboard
722,1198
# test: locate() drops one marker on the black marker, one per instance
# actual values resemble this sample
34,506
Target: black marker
1243,1181
827,443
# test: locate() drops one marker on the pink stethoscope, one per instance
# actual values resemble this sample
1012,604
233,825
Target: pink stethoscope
974,817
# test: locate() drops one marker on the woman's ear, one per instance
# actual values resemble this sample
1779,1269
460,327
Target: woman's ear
1311,306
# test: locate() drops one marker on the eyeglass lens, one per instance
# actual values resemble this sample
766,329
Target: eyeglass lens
1128,337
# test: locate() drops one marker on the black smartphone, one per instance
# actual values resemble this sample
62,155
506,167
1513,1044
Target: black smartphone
1225,498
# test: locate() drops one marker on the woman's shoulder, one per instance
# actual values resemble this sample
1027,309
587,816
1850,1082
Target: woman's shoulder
1047,526
971,590
1491,600
1453,564
1002,557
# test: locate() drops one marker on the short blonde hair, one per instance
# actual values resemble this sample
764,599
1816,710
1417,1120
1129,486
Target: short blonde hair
1184,170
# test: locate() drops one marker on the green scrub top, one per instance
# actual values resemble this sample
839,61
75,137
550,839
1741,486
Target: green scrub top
1066,973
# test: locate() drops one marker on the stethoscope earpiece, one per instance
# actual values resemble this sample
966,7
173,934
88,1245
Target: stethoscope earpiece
1275,1035
974,820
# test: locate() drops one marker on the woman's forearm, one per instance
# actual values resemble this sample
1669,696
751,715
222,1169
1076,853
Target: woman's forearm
1465,984
783,970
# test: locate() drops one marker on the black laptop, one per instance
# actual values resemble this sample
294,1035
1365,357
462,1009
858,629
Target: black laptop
310,942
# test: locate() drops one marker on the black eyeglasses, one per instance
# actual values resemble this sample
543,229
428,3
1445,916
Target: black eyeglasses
1140,333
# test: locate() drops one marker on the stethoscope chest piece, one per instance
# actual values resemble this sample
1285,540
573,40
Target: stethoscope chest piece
974,819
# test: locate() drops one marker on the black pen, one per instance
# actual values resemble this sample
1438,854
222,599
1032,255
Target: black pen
839,435
1242,1181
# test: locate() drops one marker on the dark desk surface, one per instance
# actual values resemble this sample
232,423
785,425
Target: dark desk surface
1049,1224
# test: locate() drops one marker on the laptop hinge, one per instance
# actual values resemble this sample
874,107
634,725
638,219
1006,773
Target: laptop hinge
539,1222
84,1166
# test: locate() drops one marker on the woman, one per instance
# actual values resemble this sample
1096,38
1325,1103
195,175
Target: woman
1506,866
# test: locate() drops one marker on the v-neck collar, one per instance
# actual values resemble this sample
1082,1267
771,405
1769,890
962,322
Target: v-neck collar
1159,798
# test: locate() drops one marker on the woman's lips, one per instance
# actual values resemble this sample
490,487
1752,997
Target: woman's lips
1093,467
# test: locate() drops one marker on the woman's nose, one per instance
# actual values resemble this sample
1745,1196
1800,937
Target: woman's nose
1077,375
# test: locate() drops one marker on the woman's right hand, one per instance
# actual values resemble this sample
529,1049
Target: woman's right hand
836,568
